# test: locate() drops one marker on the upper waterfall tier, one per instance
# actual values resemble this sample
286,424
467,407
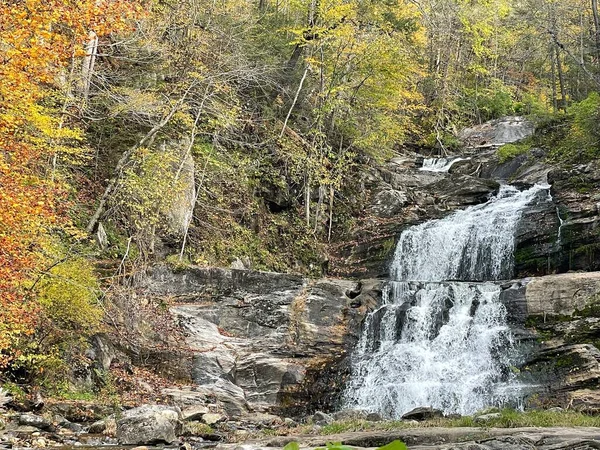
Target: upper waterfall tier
475,244
439,164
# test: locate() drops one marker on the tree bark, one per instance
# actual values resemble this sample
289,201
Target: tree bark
597,29
561,81
89,60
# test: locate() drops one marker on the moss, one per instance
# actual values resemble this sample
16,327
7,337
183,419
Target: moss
387,247
510,151
592,309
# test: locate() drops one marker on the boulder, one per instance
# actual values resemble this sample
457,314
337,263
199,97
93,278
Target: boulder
213,418
422,413
388,203
374,417
194,412
320,418
351,414
149,424
485,418
33,420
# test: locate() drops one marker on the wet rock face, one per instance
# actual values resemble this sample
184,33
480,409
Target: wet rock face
560,316
264,341
497,132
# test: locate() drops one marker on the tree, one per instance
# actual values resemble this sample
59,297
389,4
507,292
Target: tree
38,42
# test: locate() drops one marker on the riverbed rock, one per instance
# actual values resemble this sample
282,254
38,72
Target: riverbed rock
212,418
484,418
149,424
320,418
422,413
33,420
194,412
350,414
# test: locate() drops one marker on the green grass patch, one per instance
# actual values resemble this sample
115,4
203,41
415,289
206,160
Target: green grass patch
510,151
509,418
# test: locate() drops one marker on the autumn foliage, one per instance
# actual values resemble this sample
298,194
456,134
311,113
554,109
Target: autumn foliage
41,42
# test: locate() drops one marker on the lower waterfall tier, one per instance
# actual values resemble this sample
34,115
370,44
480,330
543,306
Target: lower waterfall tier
444,345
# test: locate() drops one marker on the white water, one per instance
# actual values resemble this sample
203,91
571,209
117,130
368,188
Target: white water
437,343
439,164
474,244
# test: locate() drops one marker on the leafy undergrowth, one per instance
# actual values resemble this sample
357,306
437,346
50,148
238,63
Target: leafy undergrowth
509,418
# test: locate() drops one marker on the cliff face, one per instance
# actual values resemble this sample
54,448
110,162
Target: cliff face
261,341
267,342
557,319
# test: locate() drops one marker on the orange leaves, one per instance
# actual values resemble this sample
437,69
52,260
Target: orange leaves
37,42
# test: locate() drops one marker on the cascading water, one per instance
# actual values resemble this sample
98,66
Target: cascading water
439,164
439,343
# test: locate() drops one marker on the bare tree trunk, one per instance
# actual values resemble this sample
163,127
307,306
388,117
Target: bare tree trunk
597,27
553,79
331,195
294,102
319,207
561,81
91,50
307,199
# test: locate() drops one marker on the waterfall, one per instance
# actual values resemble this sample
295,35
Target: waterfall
439,164
440,343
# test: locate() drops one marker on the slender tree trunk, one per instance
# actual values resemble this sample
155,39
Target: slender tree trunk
294,102
319,207
331,195
307,200
553,79
597,28
561,81
91,50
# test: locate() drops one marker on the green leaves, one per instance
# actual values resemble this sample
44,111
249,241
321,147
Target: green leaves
292,446
394,445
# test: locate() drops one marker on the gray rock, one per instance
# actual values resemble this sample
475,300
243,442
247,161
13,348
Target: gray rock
389,202
102,351
497,132
74,427
484,418
213,418
39,422
351,414
321,418
194,412
149,424
246,330
182,207
423,413
374,417
106,425
237,264
102,237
